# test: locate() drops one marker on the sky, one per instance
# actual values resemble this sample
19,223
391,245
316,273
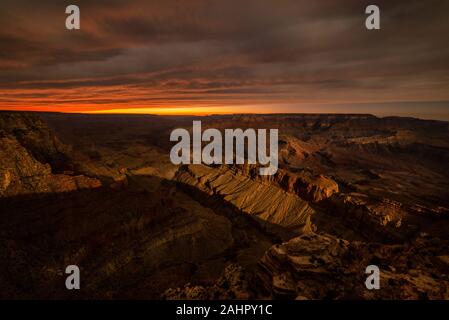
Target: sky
244,56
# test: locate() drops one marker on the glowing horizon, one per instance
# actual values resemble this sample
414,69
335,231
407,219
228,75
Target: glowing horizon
434,110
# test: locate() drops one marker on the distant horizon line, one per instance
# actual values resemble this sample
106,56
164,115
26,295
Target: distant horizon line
90,113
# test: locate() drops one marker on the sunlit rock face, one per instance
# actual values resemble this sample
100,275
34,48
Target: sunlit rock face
266,202
303,183
32,160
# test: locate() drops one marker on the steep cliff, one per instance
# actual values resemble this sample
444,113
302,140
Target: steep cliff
32,160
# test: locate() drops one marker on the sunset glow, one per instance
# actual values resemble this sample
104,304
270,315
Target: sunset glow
188,58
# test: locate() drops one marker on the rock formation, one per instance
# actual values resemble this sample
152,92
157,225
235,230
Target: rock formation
32,160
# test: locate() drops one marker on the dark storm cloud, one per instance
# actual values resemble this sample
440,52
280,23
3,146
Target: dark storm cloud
283,51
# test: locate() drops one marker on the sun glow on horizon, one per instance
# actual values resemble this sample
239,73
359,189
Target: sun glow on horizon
196,111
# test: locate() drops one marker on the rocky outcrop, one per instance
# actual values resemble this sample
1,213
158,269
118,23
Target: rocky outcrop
233,284
324,267
26,145
33,134
380,220
304,184
314,188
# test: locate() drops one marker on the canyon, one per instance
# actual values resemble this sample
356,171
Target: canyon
100,192
246,142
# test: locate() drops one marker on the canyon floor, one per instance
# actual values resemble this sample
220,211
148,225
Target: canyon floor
100,192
